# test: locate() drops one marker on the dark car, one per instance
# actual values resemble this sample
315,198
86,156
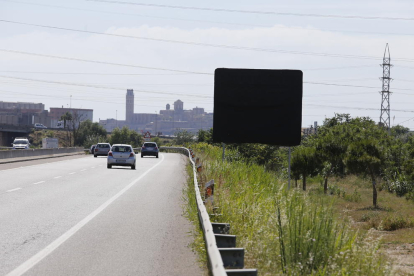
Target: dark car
102,149
149,149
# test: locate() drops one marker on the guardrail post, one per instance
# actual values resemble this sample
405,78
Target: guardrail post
225,241
232,257
221,228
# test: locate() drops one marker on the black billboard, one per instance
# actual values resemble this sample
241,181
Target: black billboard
257,106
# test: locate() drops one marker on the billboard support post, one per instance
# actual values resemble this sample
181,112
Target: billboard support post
289,169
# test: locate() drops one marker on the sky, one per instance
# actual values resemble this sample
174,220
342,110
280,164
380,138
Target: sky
86,54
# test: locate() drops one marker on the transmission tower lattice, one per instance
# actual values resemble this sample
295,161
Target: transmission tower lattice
385,103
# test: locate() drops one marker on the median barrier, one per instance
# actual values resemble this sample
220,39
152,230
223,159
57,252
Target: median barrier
36,152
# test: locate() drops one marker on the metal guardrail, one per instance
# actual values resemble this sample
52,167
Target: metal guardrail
214,255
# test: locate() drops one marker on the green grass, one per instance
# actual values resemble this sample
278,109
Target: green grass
287,232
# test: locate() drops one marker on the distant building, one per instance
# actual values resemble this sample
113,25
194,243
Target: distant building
168,121
56,114
23,113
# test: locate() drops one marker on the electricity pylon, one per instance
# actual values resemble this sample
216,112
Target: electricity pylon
386,79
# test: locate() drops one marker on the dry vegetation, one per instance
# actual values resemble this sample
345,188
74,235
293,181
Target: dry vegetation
393,220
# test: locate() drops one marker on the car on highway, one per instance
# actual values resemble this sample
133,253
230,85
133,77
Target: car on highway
21,143
121,155
149,149
92,149
102,149
39,126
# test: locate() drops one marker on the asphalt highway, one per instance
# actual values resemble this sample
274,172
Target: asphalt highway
73,216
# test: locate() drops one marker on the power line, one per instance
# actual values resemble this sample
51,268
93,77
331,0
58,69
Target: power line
334,68
359,108
209,21
175,74
106,63
209,44
259,12
349,85
98,74
118,88
101,87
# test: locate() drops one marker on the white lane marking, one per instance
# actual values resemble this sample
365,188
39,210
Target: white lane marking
38,182
83,170
72,173
92,167
56,177
24,267
12,190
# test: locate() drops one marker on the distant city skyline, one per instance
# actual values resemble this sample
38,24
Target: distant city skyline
166,121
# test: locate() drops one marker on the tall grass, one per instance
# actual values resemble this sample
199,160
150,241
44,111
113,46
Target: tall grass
285,232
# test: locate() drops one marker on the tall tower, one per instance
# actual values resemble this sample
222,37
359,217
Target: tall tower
129,106
386,79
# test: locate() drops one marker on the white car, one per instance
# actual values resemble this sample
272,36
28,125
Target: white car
21,143
37,125
121,155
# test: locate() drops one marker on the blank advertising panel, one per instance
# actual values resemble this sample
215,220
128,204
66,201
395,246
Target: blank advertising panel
258,106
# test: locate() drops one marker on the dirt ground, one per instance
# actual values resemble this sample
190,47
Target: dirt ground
403,257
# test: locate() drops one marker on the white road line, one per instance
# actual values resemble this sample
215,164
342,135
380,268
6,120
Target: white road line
92,167
12,190
24,267
38,182
83,170
57,177
72,173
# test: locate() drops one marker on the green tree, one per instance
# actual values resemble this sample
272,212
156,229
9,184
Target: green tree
66,117
183,137
366,157
90,133
398,131
331,148
305,162
205,136
156,140
126,136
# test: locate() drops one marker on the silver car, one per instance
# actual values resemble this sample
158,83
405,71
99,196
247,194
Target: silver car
102,149
149,148
121,155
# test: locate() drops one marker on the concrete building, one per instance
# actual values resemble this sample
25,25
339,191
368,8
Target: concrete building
23,114
56,114
167,122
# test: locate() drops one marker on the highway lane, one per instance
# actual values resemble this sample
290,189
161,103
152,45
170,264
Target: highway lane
95,221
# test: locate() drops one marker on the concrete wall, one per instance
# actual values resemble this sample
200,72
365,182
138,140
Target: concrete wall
36,152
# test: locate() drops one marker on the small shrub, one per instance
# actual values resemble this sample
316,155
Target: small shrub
395,223
399,185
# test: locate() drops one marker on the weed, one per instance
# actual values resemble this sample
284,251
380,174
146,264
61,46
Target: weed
368,216
354,197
